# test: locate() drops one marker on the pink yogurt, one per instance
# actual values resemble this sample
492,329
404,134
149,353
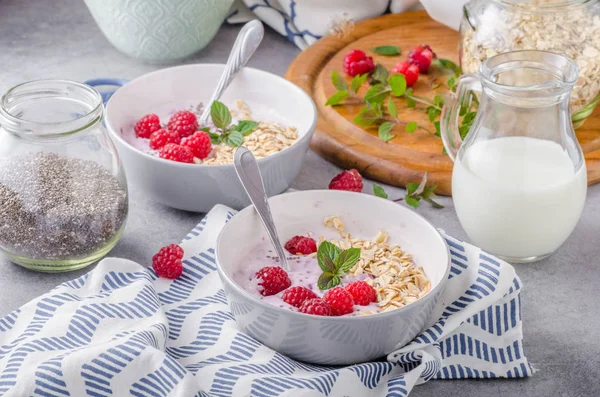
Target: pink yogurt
304,272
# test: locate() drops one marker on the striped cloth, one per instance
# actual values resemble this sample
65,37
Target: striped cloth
120,330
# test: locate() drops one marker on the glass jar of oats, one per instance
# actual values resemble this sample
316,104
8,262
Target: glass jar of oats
569,27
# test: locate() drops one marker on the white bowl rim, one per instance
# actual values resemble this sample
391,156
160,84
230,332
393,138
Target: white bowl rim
380,201
291,85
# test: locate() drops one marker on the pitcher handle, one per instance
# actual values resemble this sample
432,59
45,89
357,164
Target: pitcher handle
451,110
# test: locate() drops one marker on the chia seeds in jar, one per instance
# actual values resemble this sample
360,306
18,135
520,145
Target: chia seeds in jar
63,193
58,208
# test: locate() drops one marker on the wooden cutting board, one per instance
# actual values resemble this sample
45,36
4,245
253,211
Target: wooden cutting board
405,158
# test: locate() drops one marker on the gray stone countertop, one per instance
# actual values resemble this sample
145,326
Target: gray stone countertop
561,303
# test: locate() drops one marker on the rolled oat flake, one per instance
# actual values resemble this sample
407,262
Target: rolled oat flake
54,207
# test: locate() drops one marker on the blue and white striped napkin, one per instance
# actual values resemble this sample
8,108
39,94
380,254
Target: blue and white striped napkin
120,330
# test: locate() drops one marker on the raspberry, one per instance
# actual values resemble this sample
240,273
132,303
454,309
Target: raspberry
146,126
179,153
183,122
199,143
167,262
410,72
300,245
340,301
161,137
361,292
348,180
421,56
296,296
316,307
357,62
273,280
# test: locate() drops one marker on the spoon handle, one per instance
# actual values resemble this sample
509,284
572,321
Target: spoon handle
247,170
246,43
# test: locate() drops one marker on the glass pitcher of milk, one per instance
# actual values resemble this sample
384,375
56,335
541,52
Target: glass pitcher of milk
519,180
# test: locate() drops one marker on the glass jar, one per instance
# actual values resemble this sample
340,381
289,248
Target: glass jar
63,194
568,27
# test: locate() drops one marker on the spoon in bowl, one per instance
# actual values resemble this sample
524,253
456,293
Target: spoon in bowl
247,170
246,43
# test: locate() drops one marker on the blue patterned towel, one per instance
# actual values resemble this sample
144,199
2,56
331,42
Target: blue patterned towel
304,22
119,330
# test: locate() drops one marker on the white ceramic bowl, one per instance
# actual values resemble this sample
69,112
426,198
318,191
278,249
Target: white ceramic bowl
196,187
158,30
333,340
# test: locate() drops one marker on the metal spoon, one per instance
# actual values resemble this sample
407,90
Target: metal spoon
245,45
247,170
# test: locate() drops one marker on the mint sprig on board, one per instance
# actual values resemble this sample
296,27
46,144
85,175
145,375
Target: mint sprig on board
380,106
384,87
343,90
232,135
335,263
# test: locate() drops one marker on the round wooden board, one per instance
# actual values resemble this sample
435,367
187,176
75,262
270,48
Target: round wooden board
405,158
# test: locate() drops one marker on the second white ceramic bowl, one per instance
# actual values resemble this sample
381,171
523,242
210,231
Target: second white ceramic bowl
332,340
197,187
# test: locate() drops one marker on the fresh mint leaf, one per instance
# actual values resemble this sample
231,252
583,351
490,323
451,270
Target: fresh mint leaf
327,254
428,195
417,192
452,83
413,202
433,203
220,115
366,117
411,188
411,127
468,118
205,129
392,109
438,100
433,113
358,82
384,131
377,94
245,127
347,258
337,98
397,83
328,280
379,191
421,186
338,81
234,138
215,139
448,64
410,103
380,74
437,128
463,130
387,50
